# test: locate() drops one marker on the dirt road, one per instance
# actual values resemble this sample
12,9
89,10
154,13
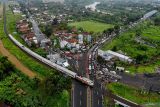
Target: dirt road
15,61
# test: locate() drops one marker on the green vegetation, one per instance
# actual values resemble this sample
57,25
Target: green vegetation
91,26
133,94
152,33
5,68
146,56
19,91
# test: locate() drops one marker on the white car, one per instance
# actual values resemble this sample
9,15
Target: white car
90,67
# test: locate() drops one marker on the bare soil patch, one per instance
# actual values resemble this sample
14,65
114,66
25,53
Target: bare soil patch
16,62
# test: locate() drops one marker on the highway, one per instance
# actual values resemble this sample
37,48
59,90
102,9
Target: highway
83,95
97,91
40,36
80,90
79,94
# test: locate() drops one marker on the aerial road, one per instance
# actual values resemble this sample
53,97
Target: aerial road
85,93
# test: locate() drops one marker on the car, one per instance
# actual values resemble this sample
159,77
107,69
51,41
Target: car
90,67
84,49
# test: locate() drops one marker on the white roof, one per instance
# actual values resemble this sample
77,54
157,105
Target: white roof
63,43
45,40
35,41
117,54
66,64
53,56
110,54
34,38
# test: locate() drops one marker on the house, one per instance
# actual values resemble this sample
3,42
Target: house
72,42
53,57
62,62
80,39
16,10
63,43
89,38
24,30
30,38
35,41
23,26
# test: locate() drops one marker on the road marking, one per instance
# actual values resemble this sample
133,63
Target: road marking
98,101
80,103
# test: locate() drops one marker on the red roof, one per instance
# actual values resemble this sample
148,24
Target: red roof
73,35
29,35
72,40
24,30
85,33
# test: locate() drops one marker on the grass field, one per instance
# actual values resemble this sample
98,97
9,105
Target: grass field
152,33
134,94
126,43
91,26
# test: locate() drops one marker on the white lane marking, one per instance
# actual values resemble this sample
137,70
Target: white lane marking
80,103
98,101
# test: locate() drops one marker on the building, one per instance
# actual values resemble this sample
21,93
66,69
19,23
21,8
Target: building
80,39
108,55
30,38
23,26
16,11
63,43
62,62
89,38
49,1
53,57
72,42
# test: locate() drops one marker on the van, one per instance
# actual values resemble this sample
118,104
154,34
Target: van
120,69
